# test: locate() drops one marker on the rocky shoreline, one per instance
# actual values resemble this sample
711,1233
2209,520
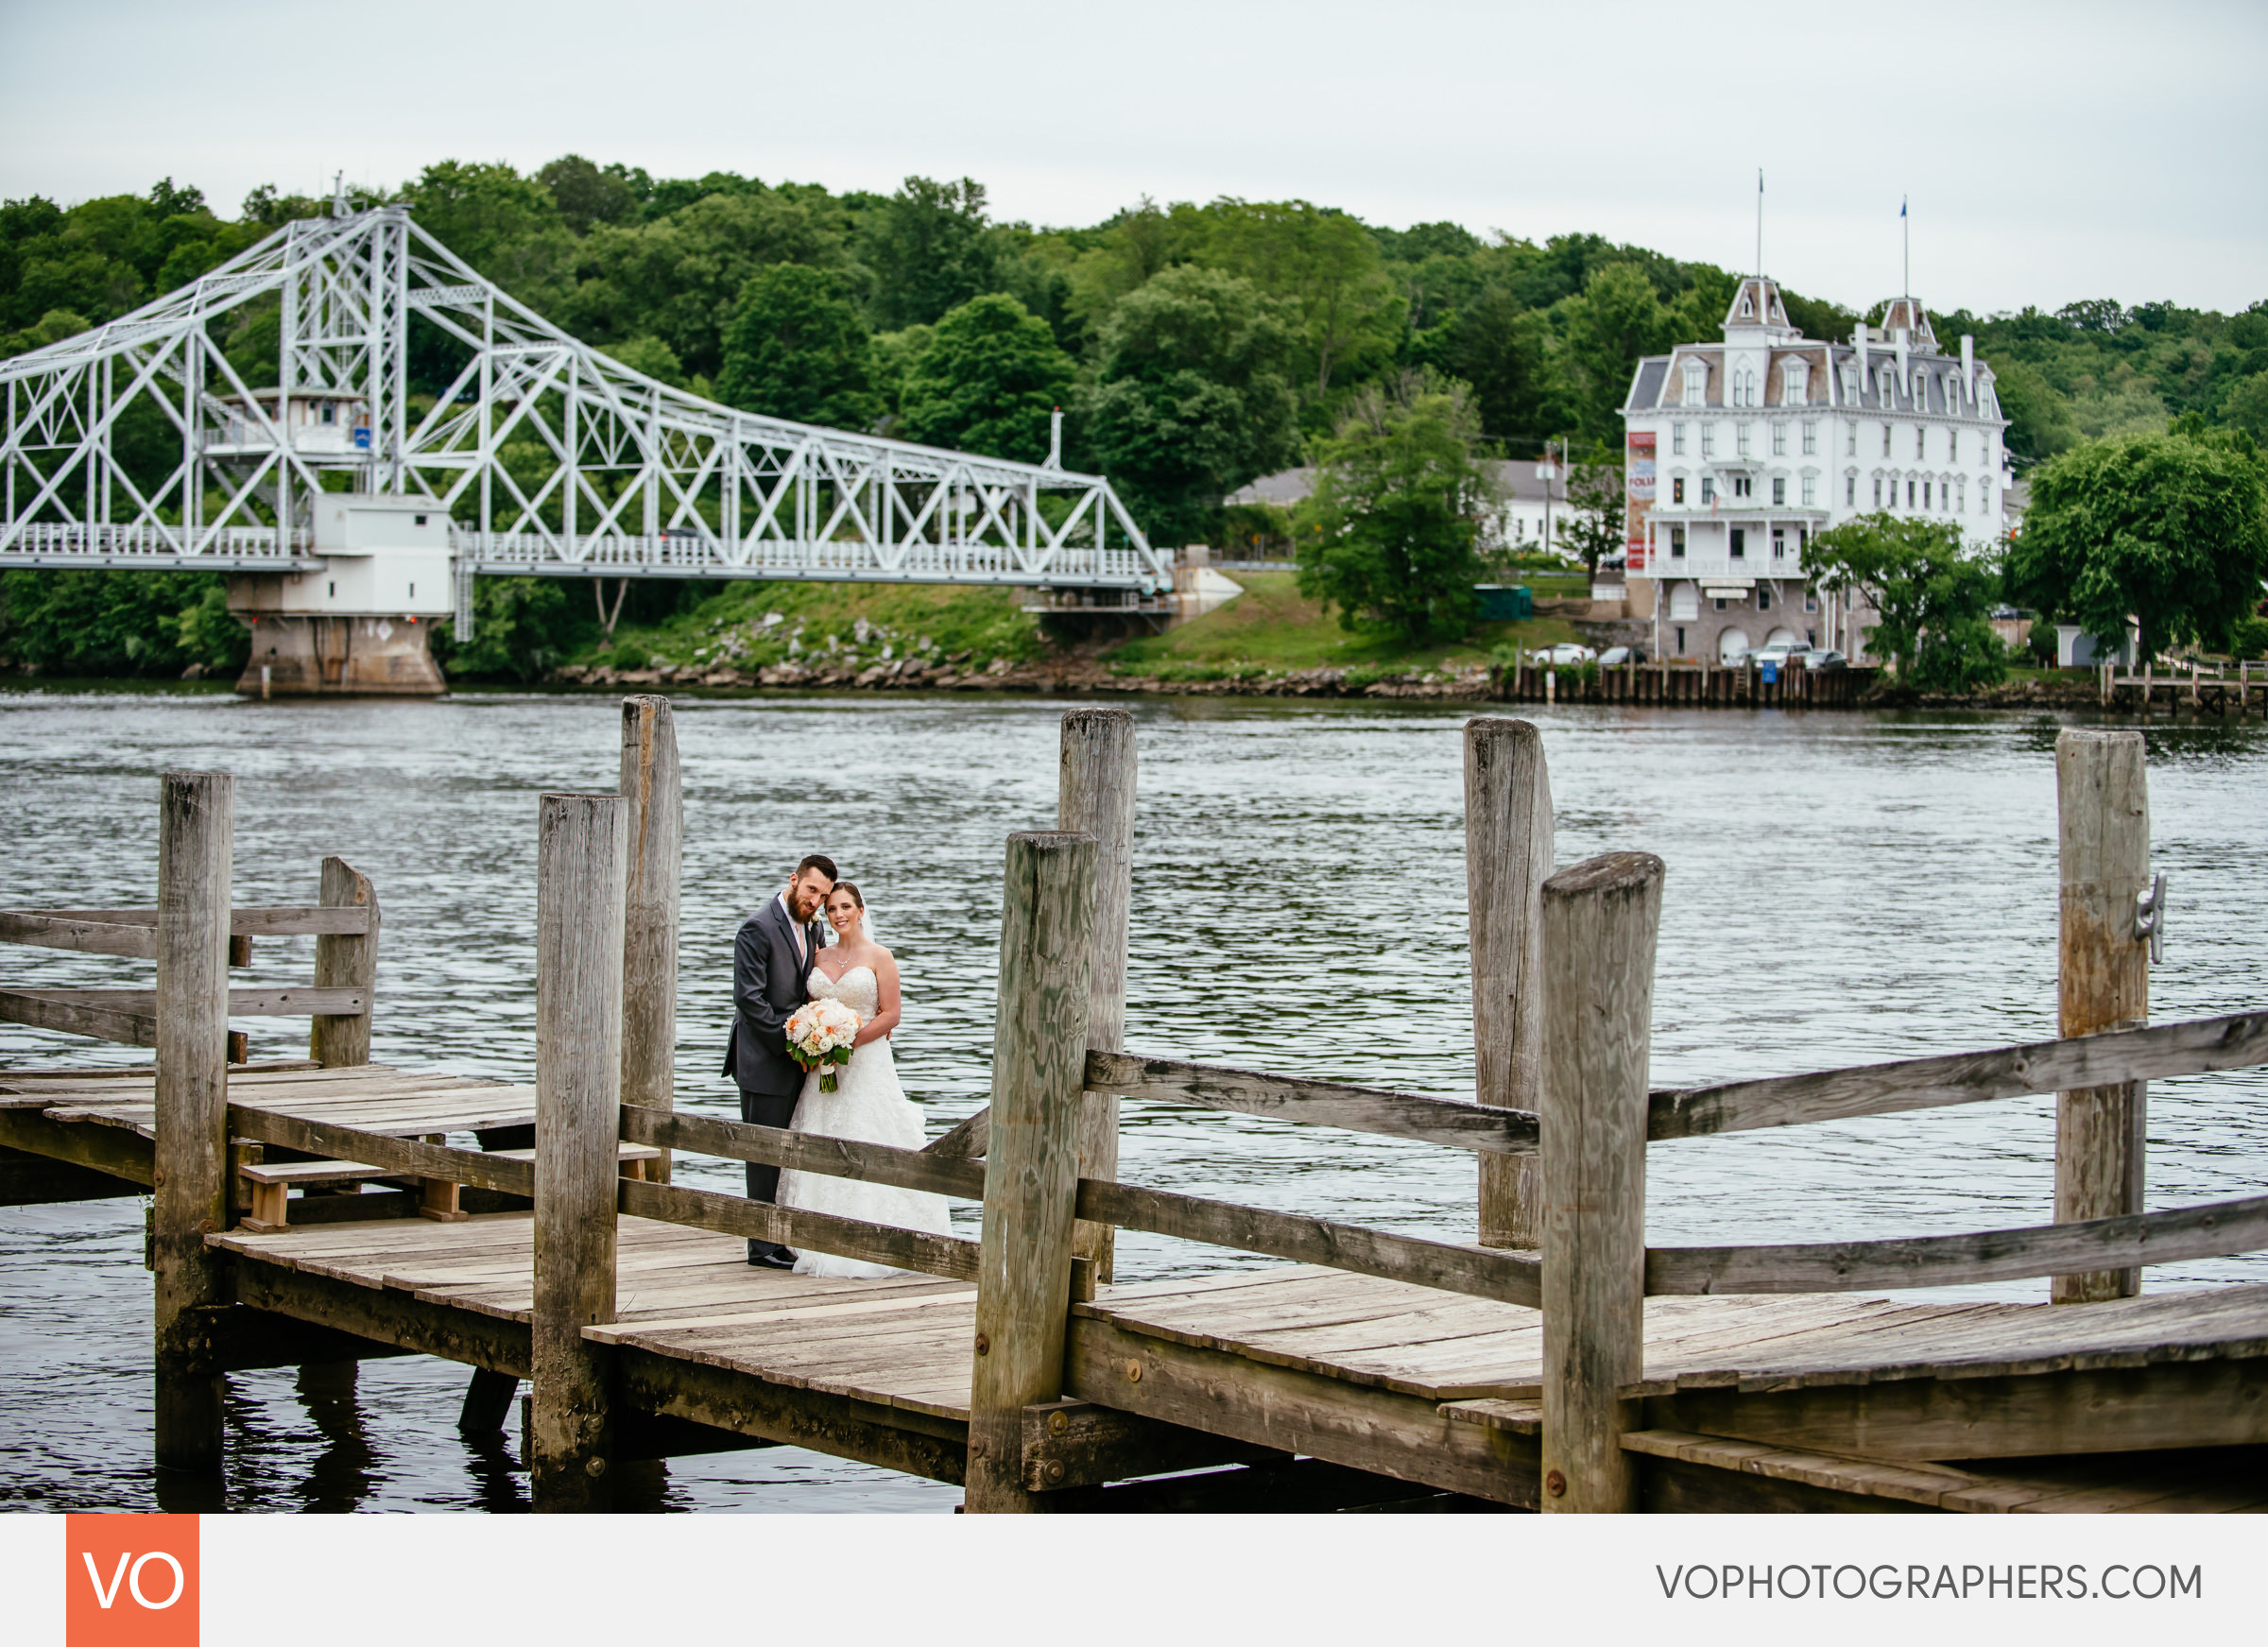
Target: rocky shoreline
1084,675
1048,675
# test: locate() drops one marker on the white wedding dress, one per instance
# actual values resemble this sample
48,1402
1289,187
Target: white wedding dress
867,1105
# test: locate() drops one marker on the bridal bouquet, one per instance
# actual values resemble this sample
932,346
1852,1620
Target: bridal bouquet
819,1036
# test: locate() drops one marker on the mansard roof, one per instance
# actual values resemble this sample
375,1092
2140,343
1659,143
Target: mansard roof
1907,315
1658,382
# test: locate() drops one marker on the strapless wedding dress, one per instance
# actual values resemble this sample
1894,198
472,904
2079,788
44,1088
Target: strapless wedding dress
867,1105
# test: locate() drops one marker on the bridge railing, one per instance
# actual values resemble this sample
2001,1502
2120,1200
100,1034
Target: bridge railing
81,544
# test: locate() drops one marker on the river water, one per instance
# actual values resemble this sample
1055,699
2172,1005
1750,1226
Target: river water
1842,887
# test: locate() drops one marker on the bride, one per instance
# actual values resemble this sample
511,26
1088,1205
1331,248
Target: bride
867,1104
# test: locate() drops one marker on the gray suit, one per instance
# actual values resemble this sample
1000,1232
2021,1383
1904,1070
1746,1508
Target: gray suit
768,980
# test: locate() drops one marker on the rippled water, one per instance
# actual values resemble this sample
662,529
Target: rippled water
1842,887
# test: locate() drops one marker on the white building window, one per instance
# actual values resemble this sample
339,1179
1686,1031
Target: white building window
1961,494
1696,382
1811,490
1921,442
1885,440
1810,439
1850,492
1952,445
1779,439
1708,489
1794,382
1678,439
1878,491
1850,439
1708,439
1984,497
1739,439
1780,491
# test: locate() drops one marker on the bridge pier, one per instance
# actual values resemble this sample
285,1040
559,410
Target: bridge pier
301,655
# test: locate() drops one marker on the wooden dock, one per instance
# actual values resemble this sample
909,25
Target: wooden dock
1744,685
1567,1367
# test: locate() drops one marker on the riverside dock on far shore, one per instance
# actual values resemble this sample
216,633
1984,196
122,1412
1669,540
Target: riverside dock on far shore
332,1210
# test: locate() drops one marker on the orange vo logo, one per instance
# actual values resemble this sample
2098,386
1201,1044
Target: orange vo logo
131,1581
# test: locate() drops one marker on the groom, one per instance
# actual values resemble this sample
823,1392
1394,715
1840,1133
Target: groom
771,959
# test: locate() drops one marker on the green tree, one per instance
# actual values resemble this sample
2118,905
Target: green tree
1327,264
1606,328
799,348
505,225
588,194
1597,508
679,278
2168,530
1933,598
97,623
989,382
1192,401
2039,419
1390,534
1496,344
931,250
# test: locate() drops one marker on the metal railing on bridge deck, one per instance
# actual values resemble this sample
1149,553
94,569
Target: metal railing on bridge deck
693,554
156,546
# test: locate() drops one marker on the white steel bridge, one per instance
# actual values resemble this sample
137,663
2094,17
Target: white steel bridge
546,455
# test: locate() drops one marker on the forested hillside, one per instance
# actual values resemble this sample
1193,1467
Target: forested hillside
1192,347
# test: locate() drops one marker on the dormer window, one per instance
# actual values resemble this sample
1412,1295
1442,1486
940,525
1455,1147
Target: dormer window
1696,382
1748,306
1794,382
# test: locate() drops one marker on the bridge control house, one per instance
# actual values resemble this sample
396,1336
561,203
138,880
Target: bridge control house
1738,452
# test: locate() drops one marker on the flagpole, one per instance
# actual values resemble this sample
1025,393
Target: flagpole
1905,226
1760,223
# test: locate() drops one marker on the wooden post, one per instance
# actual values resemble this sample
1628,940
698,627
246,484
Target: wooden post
1031,1177
656,828
2102,982
345,960
580,850
1600,921
197,813
1096,796
1507,859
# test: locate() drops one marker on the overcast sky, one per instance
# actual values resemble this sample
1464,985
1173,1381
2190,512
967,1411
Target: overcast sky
2051,152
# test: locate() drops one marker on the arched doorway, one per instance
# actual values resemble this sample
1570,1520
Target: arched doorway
1730,645
1783,638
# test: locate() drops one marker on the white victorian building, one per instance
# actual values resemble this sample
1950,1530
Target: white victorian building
1736,452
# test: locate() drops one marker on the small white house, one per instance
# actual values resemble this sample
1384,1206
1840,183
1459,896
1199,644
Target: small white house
2076,649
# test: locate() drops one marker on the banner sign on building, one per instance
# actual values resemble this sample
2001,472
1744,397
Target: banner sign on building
1639,465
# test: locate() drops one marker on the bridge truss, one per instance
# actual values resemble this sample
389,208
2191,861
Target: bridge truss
140,444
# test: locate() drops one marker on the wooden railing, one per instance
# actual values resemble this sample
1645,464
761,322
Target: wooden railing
345,925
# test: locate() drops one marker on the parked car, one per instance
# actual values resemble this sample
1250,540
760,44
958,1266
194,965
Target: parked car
1566,652
1614,657
1768,657
1818,657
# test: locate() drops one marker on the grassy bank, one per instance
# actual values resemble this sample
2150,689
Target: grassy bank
747,626
1272,627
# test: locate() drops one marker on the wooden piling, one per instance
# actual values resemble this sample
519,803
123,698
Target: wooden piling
345,960
190,1190
1507,859
581,848
1600,922
2102,982
1031,1178
656,830
1096,796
